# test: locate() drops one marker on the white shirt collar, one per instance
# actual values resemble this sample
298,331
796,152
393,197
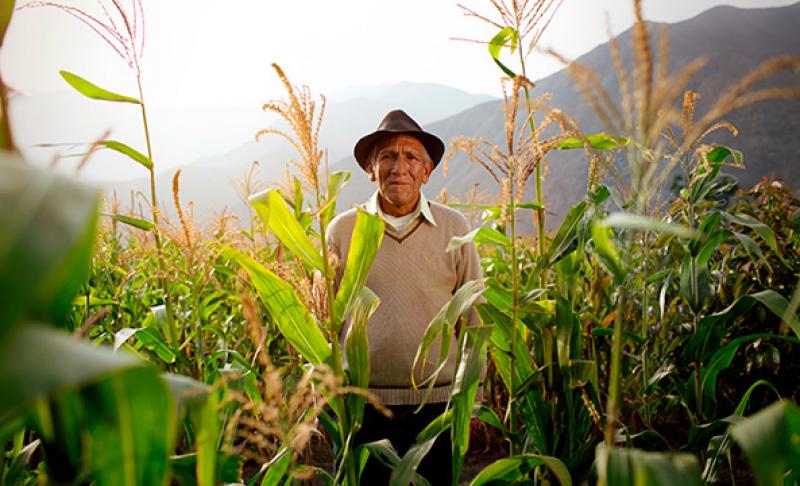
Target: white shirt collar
373,206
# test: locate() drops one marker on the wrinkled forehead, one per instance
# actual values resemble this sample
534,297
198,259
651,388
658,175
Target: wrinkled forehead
401,140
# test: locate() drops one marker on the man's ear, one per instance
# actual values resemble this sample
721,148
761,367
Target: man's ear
428,170
370,171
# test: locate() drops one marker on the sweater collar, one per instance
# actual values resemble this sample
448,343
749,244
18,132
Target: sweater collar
372,206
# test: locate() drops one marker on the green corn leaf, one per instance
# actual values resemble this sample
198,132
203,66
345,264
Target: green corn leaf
721,360
151,340
293,319
606,251
277,469
634,467
129,151
708,335
771,441
510,470
29,372
387,455
598,141
336,182
141,224
608,332
356,350
751,248
466,382
501,346
184,469
761,229
47,229
506,37
405,471
642,223
206,430
482,235
15,472
720,154
487,415
286,227
441,329
364,245
91,90
702,432
132,424
567,234
356,341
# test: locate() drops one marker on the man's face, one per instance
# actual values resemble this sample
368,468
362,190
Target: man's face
399,169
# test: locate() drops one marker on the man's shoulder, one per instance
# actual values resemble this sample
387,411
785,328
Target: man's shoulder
343,223
448,218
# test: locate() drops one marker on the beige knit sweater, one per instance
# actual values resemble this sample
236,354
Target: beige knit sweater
414,276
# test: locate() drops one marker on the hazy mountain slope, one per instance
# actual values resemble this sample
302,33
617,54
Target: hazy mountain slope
733,40
208,181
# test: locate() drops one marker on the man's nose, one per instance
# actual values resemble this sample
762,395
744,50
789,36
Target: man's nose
400,165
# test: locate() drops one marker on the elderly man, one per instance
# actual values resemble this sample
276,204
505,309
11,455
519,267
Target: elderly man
414,275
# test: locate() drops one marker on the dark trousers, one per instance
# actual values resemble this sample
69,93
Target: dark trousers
402,430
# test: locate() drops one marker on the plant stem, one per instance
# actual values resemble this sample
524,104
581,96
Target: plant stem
348,462
645,332
515,306
173,333
614,378
539,199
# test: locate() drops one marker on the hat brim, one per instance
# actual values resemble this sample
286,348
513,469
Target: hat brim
433,145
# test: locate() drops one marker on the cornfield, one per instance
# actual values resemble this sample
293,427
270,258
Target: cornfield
651,339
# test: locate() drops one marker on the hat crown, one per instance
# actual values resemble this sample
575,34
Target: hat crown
398,120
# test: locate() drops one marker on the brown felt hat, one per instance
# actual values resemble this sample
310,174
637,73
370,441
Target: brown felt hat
398,122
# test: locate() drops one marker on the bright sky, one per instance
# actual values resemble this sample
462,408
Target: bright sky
204,53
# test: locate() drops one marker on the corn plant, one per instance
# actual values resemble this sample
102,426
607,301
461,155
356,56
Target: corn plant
124,31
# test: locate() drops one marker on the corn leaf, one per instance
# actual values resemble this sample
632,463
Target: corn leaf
132,424
501,346
707,338
606,251
151,340
643,223
761,229
364,245
771,441
442,329
292,318
506,37
634,467
286,227
91,90
720,361
387,455
466,382
336,182
482,235
510,470
28,370
598,141
129,151
357,351
141,224
47,230
720,154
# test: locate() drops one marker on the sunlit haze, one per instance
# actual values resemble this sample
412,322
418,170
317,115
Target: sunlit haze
201,54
